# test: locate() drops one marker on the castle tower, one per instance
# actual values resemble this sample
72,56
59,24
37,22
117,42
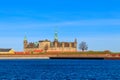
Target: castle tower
25,42
70,45
75,43
55,36
63,46
56,39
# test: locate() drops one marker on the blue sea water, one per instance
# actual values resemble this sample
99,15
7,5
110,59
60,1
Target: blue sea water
59,69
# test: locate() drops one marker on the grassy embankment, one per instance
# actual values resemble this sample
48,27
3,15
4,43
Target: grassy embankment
66,53
71,53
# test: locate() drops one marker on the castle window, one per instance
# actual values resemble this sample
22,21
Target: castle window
66,44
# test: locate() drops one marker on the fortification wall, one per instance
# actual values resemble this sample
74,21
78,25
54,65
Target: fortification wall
30,49
60,49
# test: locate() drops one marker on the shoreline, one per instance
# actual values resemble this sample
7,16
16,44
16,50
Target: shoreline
74,58
2,58
50,56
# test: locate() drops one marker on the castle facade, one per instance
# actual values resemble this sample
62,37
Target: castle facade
48,46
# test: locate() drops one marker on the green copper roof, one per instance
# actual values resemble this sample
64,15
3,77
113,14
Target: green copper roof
25,38
36,43
56,36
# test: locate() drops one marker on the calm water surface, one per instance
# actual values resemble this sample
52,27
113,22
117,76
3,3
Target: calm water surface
59,69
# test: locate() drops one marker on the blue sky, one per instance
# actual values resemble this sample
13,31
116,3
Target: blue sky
95,21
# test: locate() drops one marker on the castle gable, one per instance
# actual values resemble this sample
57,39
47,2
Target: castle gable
32,45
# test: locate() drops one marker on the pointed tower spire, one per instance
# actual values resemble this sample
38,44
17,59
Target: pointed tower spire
75,40
25,37
25,42
56,36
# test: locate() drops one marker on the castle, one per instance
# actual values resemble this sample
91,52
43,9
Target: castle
48,46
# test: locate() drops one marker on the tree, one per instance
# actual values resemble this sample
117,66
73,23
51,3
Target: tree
83,46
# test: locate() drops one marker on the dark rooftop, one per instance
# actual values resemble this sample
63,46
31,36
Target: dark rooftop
4,50
46,40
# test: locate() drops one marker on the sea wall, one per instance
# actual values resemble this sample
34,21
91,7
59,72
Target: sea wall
58,55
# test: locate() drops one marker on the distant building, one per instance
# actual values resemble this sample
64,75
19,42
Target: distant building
6,51
48,46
